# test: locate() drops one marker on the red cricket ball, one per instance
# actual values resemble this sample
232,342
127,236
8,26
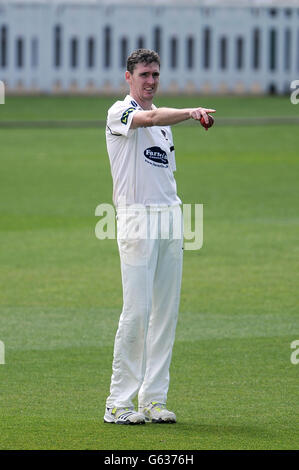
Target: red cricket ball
204,124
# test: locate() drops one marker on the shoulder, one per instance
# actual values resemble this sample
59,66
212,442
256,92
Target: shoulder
120,116
120,108
116,106
121,112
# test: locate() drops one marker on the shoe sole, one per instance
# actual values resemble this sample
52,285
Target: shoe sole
160,421
123,422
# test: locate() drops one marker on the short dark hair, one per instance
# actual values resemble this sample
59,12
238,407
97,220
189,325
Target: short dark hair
142,56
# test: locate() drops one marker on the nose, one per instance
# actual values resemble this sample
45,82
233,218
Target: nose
151,80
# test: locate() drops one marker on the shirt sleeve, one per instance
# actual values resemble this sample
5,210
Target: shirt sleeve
119,119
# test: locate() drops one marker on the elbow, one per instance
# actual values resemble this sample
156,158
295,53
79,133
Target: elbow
151,119
147,119
144,119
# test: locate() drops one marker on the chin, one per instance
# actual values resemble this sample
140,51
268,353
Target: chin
149,96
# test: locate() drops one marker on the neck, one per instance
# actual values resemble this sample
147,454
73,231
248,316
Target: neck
145,104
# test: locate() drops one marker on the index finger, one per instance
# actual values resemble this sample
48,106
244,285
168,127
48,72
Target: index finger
210,110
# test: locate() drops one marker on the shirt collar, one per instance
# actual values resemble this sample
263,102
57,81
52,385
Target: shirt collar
135,104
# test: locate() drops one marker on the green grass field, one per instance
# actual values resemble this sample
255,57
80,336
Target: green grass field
233,385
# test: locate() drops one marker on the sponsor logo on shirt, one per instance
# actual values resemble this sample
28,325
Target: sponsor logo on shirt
125,115
157,156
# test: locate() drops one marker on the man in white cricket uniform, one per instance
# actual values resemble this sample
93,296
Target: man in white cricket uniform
150,241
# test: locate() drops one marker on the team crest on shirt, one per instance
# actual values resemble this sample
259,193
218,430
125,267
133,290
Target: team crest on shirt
125,115
156,156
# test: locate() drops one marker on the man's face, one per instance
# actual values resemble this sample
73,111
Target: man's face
144,81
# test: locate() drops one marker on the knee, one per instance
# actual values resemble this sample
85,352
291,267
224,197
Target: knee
133,324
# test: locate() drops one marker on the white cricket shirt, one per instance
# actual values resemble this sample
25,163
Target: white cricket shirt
142,160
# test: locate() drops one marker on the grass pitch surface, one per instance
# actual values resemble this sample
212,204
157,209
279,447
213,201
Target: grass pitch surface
233,385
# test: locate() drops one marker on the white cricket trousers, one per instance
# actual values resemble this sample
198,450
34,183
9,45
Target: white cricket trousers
151,255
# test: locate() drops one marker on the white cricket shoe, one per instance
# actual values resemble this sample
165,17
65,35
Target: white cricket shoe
157,413
123,416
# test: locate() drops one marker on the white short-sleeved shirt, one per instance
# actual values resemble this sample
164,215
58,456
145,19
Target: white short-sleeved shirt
142,160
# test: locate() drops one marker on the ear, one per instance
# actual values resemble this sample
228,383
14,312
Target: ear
127,76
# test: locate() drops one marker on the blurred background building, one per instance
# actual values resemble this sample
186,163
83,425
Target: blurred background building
206,46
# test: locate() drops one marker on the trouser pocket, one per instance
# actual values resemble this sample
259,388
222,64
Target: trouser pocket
132,238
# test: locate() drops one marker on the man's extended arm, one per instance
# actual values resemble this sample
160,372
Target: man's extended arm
168,116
